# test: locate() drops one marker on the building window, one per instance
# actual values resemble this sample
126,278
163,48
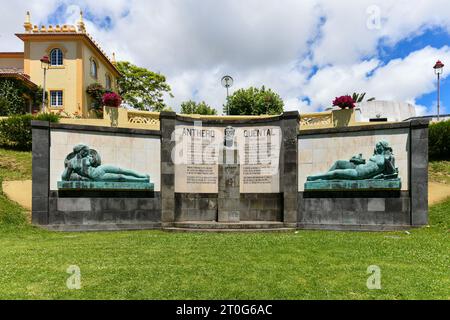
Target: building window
94,68
56,57
108,82
56,98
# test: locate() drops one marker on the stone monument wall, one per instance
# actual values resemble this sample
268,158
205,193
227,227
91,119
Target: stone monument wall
197,169
364,209
229,170
94,209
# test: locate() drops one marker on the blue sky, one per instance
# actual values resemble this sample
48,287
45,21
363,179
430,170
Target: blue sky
436,37
307,51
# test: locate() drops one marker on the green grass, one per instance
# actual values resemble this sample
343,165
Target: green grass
15,165
439,171
160,265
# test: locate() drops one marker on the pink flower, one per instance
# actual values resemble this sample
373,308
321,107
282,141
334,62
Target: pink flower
344,102
111,99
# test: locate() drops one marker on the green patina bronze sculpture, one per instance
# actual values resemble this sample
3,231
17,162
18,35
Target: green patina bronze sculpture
379,172
83,169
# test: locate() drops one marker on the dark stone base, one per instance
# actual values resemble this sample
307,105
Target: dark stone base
354,213
261,206
103,213
103,227
361,227
252,207
195,206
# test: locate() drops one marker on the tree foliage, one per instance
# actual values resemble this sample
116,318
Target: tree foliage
12,99
15,131
254,101
141,88
438,140
191,107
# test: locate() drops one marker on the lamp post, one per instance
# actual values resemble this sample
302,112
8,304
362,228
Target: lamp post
438,68
227,81
45,62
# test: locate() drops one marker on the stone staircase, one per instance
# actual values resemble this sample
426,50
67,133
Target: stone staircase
243,226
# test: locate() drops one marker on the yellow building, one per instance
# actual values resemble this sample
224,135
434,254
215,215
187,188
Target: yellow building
76,61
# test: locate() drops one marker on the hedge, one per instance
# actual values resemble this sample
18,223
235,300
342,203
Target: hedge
439,141
15,131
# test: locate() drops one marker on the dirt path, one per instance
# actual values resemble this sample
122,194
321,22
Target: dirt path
20,192
437,192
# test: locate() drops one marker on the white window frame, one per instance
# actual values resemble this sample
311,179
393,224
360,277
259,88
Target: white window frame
58,60
59,99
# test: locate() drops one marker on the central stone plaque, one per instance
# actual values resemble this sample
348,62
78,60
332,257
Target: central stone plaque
256,150
196,158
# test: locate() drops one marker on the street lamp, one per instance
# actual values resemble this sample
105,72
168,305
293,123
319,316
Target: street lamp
438,68
227,81
45,62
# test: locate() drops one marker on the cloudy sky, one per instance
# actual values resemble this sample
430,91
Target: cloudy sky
307,51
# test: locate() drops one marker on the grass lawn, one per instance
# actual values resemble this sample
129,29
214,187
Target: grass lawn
439,171
160,265
15,165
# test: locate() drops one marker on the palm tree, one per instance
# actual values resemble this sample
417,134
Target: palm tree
359,97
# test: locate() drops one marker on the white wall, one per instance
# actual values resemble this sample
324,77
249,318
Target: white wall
317,153
392,110
137,153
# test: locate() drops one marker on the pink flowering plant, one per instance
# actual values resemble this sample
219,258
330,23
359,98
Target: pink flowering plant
111,99
344,102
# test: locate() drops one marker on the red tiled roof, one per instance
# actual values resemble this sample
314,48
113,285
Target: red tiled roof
17,73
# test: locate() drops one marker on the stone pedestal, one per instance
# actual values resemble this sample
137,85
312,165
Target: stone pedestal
229,194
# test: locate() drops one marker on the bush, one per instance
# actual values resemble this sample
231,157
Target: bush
96,91
439,138
15,131
254,101
11,97
192,107
50,117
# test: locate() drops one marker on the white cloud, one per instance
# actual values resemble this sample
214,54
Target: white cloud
400,79
194,43
13,17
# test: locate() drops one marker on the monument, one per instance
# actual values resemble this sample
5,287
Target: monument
84,170
379,172
216,172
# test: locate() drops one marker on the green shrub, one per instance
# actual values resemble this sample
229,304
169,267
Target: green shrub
439,140
15,131
254,101
50,117
12,97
